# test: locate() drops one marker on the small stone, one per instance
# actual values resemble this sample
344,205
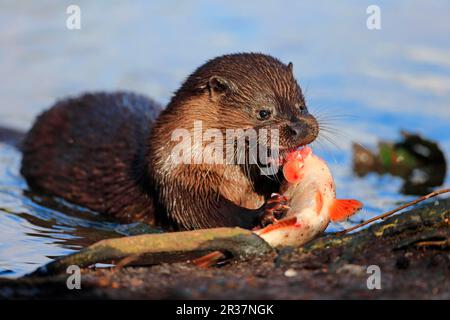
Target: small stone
352,269
402,263
290,273
437,260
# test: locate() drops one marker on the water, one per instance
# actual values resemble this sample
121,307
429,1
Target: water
378,81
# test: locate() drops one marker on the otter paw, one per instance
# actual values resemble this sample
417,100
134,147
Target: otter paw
276,208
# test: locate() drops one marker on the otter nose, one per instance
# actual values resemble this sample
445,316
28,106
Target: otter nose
296,128
305,129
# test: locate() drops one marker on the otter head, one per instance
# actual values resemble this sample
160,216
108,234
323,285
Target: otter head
250,90
245,91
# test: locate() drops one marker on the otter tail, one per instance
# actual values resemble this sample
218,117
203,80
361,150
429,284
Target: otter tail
12,137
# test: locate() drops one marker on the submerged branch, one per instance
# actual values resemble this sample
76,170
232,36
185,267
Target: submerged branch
156,248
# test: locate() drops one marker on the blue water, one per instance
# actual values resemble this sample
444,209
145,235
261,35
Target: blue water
369,83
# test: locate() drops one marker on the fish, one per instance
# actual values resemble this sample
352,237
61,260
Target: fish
311,195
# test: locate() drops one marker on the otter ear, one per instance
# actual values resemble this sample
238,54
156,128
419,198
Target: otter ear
290,67
218,86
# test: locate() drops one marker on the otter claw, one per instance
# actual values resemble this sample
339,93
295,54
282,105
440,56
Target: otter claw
276,207
275,197
268,220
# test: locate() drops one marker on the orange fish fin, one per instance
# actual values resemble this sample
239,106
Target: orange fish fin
209,259
341,209
283,223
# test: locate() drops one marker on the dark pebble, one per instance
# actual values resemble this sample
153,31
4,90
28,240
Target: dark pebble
402,263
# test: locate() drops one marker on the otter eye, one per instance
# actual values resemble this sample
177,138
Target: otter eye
301,106
264,114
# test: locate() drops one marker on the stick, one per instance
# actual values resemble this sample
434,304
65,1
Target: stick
437,243
391,212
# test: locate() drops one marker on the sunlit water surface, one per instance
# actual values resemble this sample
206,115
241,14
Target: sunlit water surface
368,84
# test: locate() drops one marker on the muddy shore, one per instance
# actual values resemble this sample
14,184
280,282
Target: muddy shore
411,250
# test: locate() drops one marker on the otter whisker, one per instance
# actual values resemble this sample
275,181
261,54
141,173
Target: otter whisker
342,133
330,140
321,145
332,112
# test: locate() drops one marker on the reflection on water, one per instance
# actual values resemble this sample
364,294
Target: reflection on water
35,228
32,233
367,84
419,161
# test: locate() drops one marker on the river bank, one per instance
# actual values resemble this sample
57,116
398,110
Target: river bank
411,249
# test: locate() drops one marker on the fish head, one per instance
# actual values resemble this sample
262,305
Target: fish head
296,164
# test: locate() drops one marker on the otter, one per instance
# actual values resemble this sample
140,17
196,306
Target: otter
111,152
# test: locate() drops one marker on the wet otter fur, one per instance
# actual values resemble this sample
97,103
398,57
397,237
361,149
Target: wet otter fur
110,152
